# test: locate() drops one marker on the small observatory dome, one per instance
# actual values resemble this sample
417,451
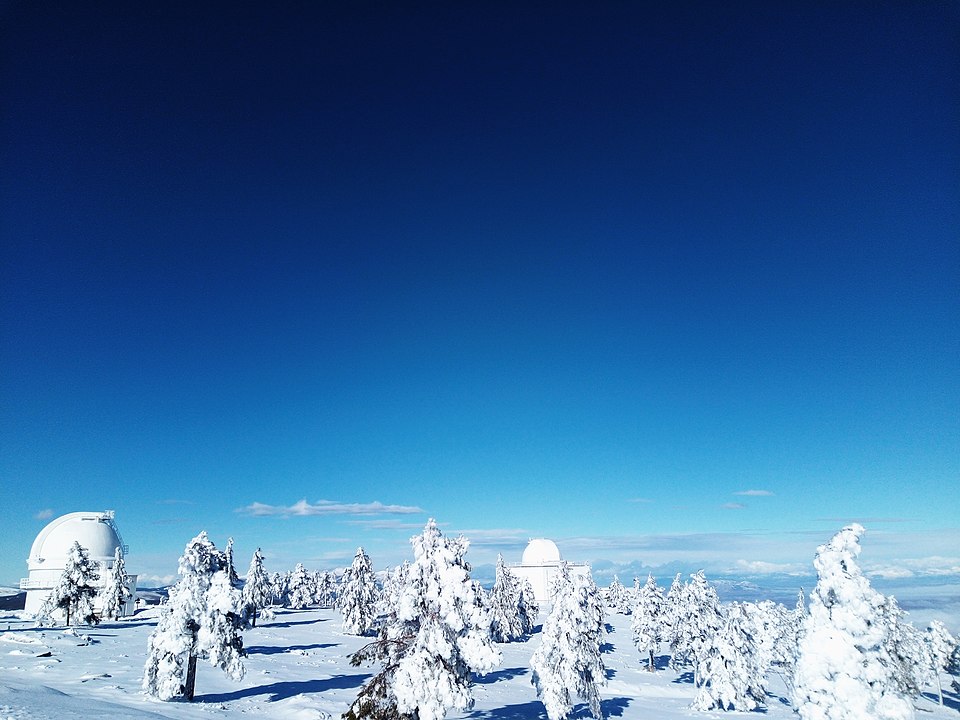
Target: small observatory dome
541,551
96,532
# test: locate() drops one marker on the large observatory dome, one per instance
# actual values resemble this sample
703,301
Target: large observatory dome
95,531
541,551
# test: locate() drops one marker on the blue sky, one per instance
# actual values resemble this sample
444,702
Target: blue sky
675,286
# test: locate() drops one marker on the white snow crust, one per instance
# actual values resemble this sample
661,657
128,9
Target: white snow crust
298,668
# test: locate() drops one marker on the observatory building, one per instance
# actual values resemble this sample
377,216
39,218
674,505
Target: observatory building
540,563
97,534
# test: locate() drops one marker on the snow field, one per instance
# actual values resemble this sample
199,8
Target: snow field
298,668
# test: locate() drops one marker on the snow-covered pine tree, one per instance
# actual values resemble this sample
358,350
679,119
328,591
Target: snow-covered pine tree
300,588
257,593
648,619
940,646
74,593
115,591
568,661
729,675
506,604
529,608
698,619
906,652
199,621
358,595
843,672
435,637
325,589
769,624
279,584
231,568
618,598
671,619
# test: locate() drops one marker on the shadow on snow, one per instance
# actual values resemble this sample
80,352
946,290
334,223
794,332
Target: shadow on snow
278,649
284,690
498,675
534,710
291,623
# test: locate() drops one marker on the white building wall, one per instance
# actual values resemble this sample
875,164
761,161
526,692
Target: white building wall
96,532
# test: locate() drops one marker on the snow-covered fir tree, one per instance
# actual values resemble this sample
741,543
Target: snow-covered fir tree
509,615
842,671
618,597
199,621
905,651
279,586
671,619
729,674
529,609
358,595
567,663
257,594
325,589
770,626
940,646
74,593
115,592
231,568
435,637
648,619
698,618
301,588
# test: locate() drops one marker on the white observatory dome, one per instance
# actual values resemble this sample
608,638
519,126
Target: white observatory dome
95,531
541,551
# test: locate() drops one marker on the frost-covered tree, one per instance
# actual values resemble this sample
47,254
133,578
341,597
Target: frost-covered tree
843,671
231,568
905,651
618,597
435,636
74,593
648,619
729,674
697,620
940,646
510,616
279,586
301,588
671,619
325,589
529,609
257,593
568,662
199,621
115,591
358,595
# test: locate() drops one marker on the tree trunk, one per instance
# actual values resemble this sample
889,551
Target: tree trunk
651,667
191,681
939,687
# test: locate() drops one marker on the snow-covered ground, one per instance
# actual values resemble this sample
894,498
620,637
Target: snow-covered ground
298,668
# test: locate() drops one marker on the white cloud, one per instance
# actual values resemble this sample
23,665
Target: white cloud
155,580
754,493
891,573
733,506
761,567
386,524
327,507
44,514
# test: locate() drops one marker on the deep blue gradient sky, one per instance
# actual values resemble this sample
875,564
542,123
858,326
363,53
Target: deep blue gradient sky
585,271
